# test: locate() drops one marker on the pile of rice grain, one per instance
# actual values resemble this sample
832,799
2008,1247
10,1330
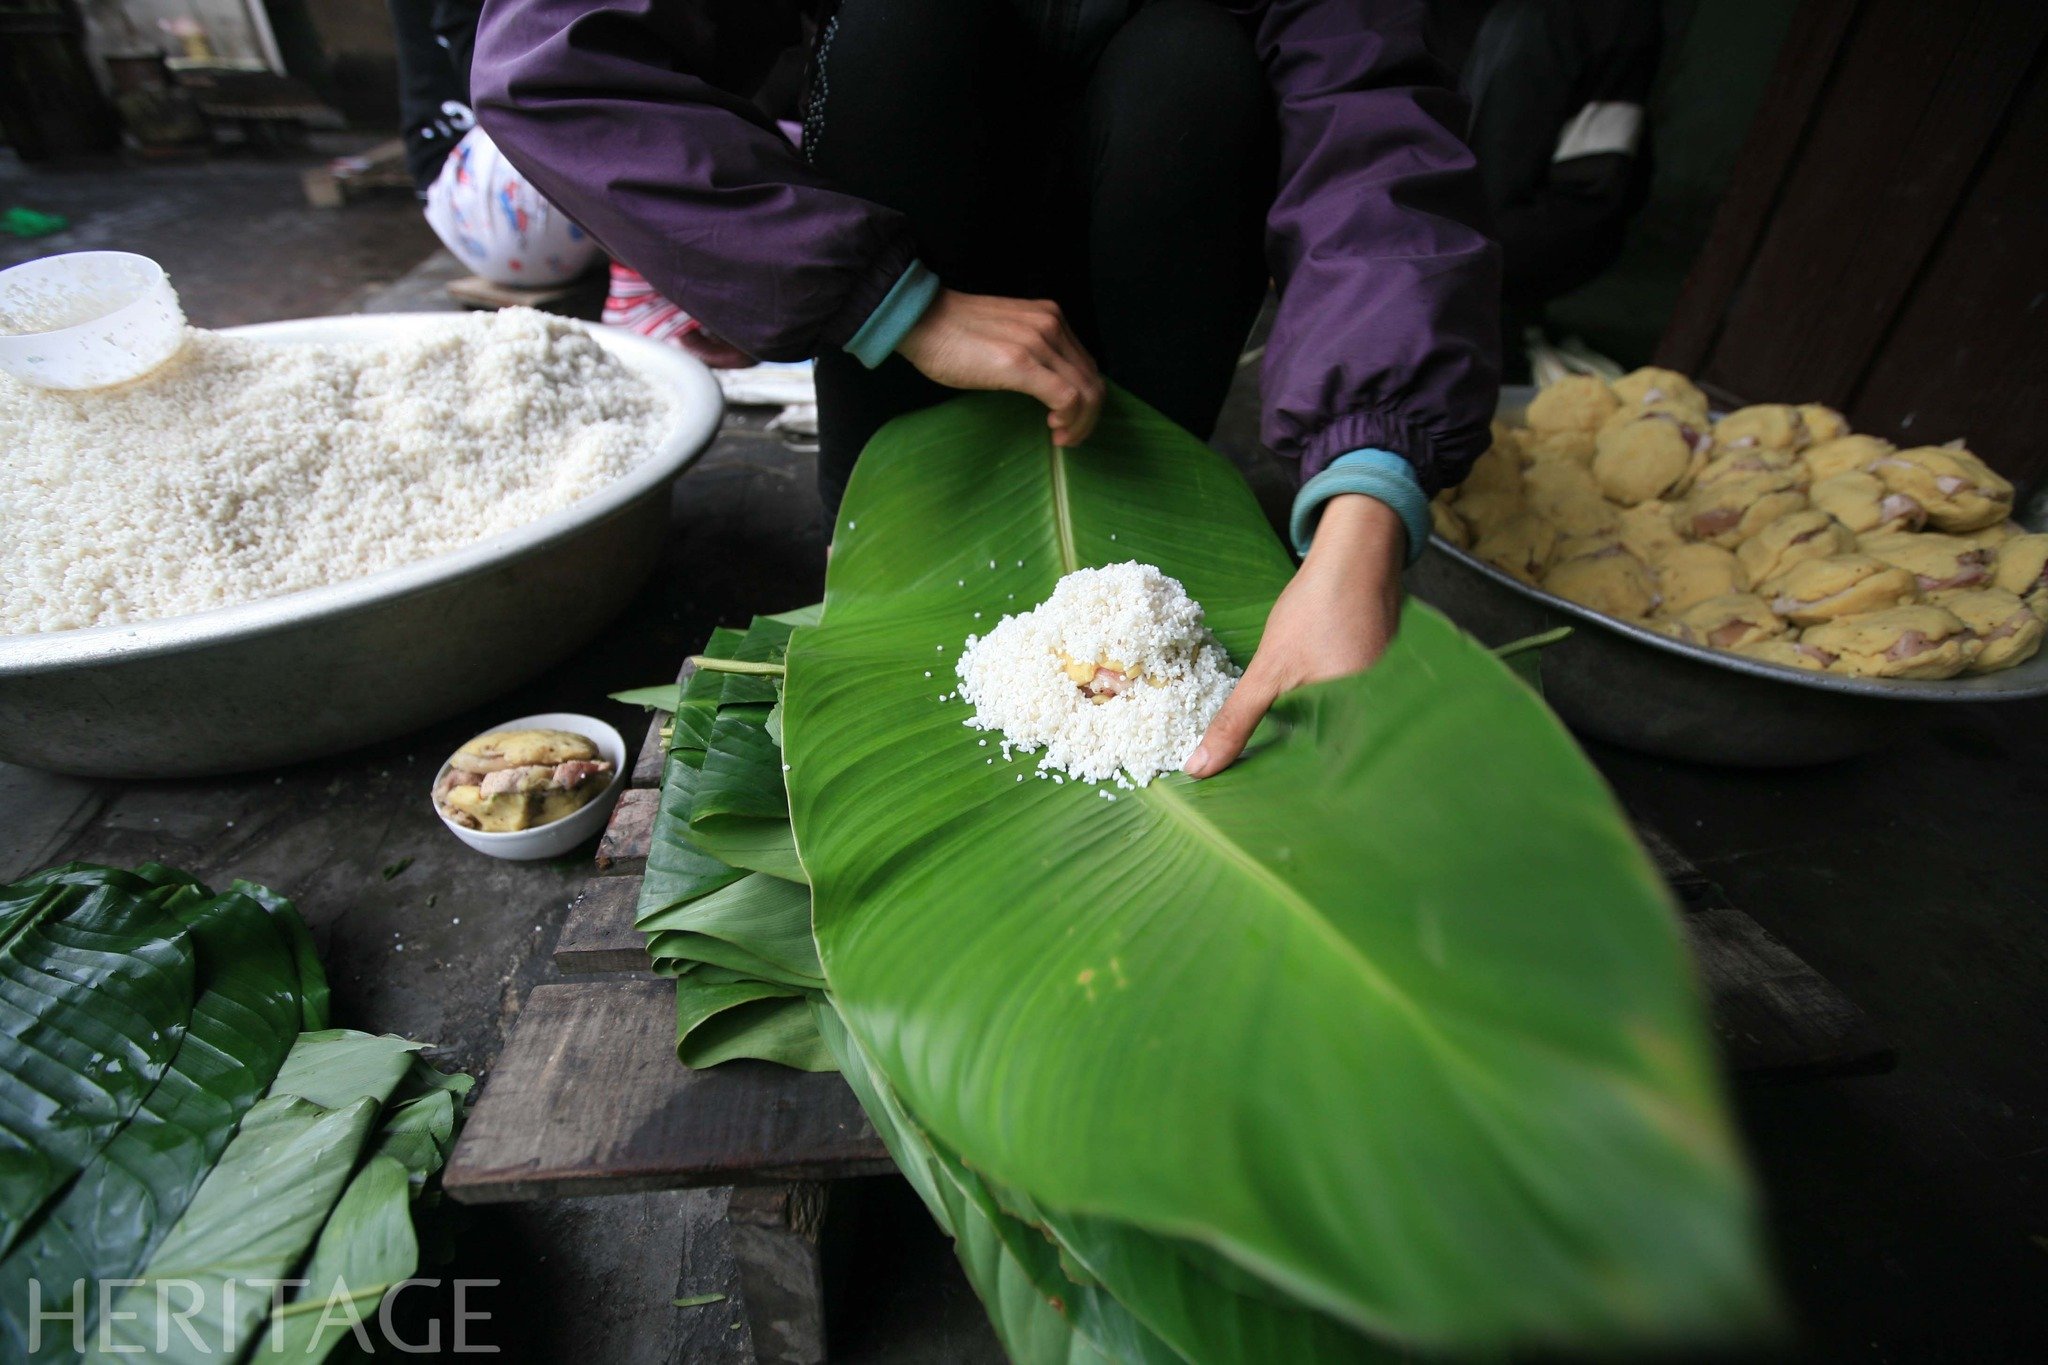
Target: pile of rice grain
242,469
1130,614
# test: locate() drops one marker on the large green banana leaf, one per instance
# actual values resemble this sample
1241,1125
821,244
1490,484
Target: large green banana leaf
218,1159
1177,1310
1391,1020
113,1214
367,1246
737,941
261,1208
765,918
94,996
678,870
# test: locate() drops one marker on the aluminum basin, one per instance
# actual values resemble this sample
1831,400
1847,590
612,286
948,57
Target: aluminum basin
1631,686
317,672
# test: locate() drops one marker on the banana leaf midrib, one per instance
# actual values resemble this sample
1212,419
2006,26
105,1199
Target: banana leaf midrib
1062,511
29,918
1162,794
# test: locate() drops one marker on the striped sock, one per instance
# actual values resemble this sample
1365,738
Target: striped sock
633,304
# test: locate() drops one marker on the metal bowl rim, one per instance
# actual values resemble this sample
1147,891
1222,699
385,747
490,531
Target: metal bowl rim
2019,683
700,406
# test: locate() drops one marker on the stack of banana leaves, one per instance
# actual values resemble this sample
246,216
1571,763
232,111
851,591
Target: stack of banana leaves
176,1114
724,903
1382,1043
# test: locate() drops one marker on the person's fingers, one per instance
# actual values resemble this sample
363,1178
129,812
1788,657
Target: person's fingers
1065,366
1041,322
1092,391
1065,385
1242,710
1021,345
1033,374
1091,409
1072,360
1060,335
1069,344
1073,417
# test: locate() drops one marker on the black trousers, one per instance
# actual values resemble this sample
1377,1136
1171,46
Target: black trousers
1130,185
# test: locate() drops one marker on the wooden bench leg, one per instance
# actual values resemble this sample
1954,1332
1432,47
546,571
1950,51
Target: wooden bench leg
775,1247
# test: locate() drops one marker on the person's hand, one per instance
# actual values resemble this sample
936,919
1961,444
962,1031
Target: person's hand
1336,617
981,341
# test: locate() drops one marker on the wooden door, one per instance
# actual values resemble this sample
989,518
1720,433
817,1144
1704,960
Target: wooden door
1883,245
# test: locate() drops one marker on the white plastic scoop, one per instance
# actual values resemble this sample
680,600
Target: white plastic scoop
87,320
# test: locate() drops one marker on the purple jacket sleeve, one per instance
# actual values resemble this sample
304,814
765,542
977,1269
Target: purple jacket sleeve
623,113
1389,322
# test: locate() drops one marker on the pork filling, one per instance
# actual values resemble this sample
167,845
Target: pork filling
1972,567
1912,644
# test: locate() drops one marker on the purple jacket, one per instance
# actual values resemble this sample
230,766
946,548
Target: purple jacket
623,113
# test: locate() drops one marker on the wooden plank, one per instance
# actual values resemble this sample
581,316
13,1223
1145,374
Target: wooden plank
474,291
598,934
588,1098
1687,882
1776,1017
623,849
647,767
774,1231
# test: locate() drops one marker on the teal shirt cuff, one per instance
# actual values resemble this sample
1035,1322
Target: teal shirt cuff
1377,474
896,314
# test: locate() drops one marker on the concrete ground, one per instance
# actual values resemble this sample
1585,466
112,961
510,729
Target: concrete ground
233,232
1909,1210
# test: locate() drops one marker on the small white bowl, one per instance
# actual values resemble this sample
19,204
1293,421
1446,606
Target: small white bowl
87,319
554,839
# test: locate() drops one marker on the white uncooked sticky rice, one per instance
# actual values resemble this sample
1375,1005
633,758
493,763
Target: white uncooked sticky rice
243,468
1114,676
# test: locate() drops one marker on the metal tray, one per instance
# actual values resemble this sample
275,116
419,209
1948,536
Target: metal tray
316,672
1631,686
